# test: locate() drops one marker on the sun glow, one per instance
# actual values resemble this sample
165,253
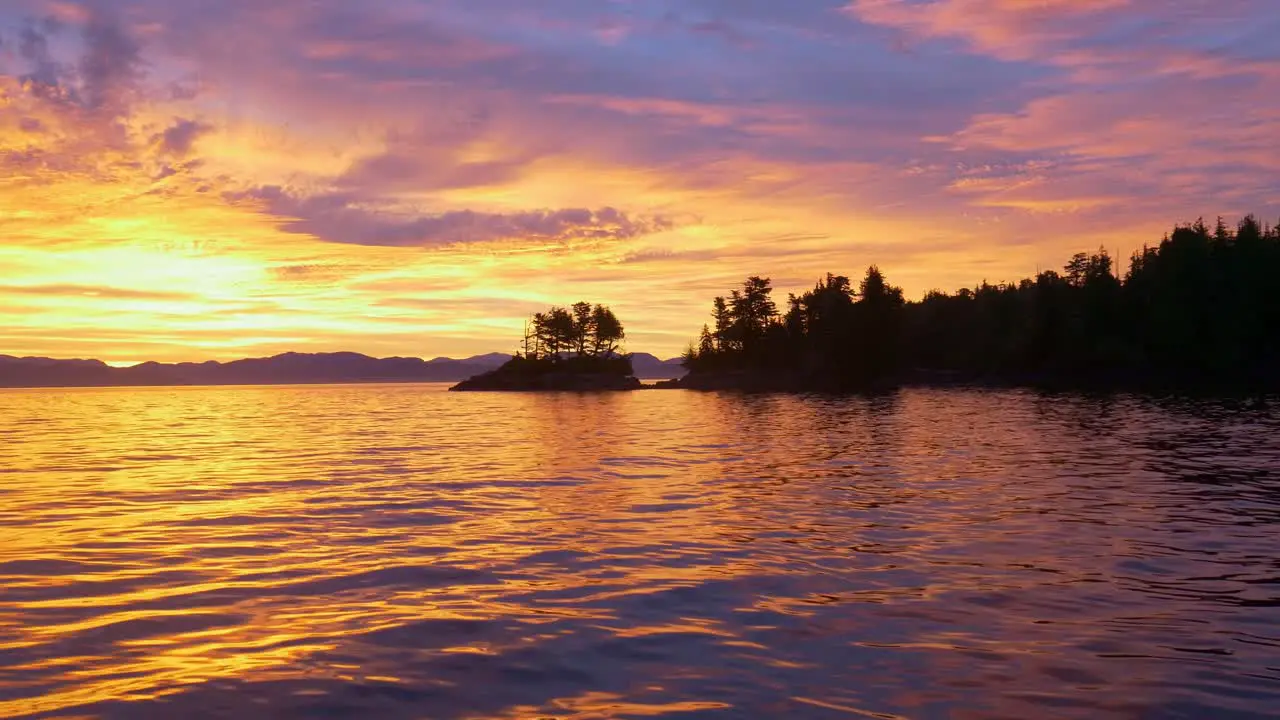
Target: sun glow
166,198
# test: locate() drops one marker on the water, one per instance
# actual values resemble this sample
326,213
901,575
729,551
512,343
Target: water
403,552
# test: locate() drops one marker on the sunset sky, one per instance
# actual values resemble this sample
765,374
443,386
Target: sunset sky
211,179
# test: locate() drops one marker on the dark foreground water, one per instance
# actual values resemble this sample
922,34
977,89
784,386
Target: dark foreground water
402,552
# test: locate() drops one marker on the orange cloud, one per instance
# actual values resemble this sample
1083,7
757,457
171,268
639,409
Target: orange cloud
1009,29
175,174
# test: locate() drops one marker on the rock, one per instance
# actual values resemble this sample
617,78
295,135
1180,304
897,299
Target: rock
497,381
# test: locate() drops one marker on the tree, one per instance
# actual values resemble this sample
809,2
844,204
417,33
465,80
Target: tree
877,322
583,326
559,331
608,332
540,336
1077,268
821,309
752,311
706,342
723,323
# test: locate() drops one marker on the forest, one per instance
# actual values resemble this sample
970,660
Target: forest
1200,309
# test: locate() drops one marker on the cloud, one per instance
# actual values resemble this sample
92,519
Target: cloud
113,293
562,150
1133,109
105,79
339,217
111,66
71,96
1114,37
1010,29
178,139
44,75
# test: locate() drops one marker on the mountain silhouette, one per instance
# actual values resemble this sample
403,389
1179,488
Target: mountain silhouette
287,368
653,368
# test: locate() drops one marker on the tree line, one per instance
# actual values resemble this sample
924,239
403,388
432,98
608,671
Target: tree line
581,330
1200,308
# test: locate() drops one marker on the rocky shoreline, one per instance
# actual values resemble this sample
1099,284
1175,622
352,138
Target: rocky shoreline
497,381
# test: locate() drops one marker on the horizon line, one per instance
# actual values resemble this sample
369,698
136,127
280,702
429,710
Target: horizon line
124,365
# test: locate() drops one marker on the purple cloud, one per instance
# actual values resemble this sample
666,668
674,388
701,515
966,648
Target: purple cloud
339,217
178,139
933,111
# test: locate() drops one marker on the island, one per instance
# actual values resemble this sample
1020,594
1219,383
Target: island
564,349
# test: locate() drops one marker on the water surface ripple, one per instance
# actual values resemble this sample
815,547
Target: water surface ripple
402,552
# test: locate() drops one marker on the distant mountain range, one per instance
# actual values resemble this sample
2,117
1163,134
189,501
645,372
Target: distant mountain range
289,368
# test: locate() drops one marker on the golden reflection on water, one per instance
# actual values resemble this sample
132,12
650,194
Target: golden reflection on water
398,551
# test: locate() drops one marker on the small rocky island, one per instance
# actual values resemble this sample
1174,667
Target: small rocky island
564,349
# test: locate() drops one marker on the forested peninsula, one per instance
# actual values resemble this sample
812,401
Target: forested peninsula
1198,311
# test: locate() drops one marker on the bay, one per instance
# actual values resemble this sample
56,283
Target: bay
397,551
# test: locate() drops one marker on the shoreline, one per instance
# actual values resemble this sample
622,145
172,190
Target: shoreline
658,384
773,384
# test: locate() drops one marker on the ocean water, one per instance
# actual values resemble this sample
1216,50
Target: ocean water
397,551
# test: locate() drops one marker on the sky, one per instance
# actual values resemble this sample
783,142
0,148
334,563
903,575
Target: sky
213,179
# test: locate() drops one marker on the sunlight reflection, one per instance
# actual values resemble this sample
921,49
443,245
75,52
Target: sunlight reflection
641,554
